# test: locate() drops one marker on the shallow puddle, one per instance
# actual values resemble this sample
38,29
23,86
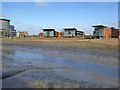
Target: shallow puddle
78,65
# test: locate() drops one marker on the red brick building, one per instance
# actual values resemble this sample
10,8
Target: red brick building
41,35
116,33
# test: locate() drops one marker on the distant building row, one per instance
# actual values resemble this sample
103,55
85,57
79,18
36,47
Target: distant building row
100,31
67,33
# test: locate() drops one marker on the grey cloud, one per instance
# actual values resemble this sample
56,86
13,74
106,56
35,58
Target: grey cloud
10,16
87,29
31,29
41,3
17,22
111,23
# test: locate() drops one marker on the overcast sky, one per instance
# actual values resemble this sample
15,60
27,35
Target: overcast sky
33,16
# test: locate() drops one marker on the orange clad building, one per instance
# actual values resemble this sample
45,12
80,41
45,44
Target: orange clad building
110,33
83,35
107,33
60,34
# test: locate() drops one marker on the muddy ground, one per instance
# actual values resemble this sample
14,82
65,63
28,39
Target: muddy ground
39,66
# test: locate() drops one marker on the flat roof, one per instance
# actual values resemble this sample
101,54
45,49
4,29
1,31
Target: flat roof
12,25
22,31
69,28
5,20
79,31
48,29
99,26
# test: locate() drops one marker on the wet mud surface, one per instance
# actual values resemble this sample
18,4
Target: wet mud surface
28,66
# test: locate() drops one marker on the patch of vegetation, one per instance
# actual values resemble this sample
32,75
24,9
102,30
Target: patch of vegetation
101,44
40,85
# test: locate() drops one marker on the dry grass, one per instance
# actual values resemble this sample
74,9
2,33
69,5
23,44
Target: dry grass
111,42
103,44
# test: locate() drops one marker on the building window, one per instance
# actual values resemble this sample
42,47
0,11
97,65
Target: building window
69,32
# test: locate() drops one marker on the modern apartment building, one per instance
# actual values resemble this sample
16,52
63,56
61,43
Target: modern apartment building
49,32
101,31
73,33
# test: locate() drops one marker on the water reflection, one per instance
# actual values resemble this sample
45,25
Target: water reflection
78,65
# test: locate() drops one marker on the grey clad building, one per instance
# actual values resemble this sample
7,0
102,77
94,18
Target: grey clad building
72,32
12,32
98,31
49,32
69,32
4,27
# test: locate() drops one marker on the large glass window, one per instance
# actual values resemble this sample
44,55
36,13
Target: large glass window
69,32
